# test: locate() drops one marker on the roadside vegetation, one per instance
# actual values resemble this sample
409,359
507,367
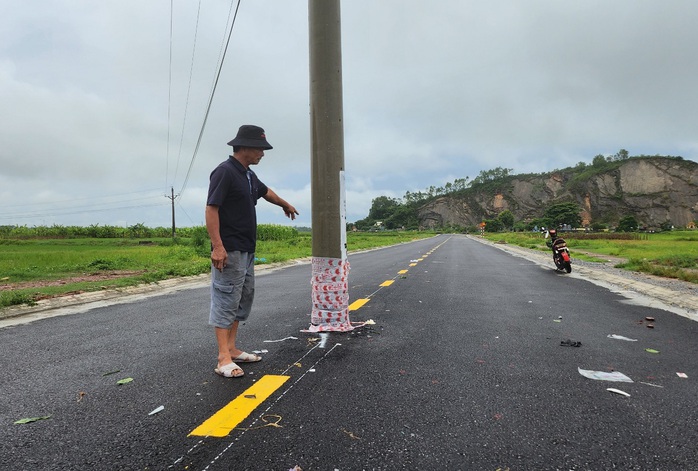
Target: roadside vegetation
671,254
43,262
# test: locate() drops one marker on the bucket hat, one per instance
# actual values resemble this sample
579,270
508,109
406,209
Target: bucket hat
251,136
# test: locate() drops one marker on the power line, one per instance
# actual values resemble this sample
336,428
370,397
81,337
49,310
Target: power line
210,101
74,206
169,97
76,211
186,103
82,198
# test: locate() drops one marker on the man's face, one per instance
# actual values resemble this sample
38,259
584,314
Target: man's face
252,155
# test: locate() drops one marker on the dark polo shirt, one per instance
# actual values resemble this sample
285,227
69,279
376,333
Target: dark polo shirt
229,189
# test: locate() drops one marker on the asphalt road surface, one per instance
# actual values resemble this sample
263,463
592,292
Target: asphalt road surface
462,370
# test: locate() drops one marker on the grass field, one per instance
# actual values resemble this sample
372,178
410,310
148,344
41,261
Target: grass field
34,269
668,254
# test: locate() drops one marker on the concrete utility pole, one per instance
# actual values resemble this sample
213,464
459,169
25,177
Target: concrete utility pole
330,267
327,130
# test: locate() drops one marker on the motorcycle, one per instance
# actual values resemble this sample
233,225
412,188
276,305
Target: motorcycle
561,255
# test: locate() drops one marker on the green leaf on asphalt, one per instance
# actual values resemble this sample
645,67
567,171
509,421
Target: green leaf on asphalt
124,381
651,350
32,419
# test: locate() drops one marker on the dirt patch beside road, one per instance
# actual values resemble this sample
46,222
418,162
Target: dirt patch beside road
6,285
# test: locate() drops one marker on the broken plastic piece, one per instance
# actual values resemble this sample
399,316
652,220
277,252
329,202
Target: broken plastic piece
605,376
281,340
620,337
681,375
156,410
651,350
652,384
618,391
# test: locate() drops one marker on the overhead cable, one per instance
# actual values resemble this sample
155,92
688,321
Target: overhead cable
210,101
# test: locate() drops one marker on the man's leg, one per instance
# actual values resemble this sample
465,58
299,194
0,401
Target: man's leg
232,336
244,306
225,338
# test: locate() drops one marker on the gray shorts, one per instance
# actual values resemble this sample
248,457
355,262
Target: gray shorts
232,290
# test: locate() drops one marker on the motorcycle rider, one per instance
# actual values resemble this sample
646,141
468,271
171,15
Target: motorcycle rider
552,235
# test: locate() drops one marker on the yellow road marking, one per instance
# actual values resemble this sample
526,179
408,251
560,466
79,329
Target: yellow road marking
358,303
413,264
226,419
402,272
387,283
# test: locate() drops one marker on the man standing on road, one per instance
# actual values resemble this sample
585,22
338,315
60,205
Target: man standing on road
231,221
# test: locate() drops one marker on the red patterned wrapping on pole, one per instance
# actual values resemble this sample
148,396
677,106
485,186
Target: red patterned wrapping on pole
330,295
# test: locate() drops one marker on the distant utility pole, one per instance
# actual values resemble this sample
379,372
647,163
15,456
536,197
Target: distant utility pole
172,198
330,266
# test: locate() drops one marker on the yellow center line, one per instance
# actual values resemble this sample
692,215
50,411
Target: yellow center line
226,419
413,264
387,283
358,303
402,272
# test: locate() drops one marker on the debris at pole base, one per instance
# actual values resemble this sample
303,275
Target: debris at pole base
330,295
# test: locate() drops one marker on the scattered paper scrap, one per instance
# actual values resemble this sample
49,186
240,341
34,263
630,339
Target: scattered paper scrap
296,468
156,410
605,376
651,350
620,337
124,381
681,375
29,420
618,391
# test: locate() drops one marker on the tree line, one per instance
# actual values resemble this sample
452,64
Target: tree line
403,213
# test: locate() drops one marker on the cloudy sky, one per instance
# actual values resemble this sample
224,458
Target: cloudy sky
102,108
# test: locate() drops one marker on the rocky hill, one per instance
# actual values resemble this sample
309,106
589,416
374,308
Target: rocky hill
655,190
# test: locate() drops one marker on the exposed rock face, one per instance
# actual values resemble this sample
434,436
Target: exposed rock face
655,190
